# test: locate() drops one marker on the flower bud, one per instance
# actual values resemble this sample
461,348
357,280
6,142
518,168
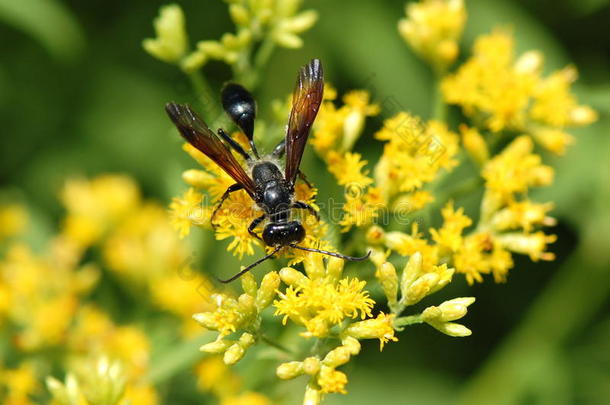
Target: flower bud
248,284
311,365
313,396
292,369
301,22
334,268
529,62
411,272
269,285
474,144
233,354
420,288
246,340
582,115
217,346
246,305
171,42
205,319
375,235
452,329
192,62
386,274
292,277
352,344
533,245
337,357
239,14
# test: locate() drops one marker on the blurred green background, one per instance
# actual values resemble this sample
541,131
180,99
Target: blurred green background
79,96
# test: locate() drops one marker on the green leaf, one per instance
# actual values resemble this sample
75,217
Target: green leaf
47,21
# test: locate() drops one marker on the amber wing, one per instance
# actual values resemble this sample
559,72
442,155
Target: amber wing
306,101
196,132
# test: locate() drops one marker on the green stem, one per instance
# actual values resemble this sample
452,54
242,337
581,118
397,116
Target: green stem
205,95
465,187
263,54
408,320
276,345
178,358
440,108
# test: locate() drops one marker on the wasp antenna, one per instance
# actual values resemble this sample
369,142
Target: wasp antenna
334,254
251,266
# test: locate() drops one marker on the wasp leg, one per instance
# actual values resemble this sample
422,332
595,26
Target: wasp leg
304,206
304,179
234,145
254,224
279,150
232,188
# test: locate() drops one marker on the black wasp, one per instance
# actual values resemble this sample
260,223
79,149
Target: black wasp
267,185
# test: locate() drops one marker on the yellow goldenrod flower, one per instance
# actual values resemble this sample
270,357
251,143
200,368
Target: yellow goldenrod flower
41,306
321,303
386,274
449,236
361,207
140,394
380,328
182,296
522,214
313,395
236,351
414,153
533,245
331,380
13,219
171,42
470,259
505,92
425,284
448,311
337,129
554,105
229,48
432,28
19,384
475,144
347,168
104,386
248,398
405,204
516,169
489,84
94,206
188,210
214,376
229,315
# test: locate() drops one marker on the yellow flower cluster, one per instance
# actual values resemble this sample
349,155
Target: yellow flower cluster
241,313
270,22
215,377
388,207
43,296
196,206
499,91
432,28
